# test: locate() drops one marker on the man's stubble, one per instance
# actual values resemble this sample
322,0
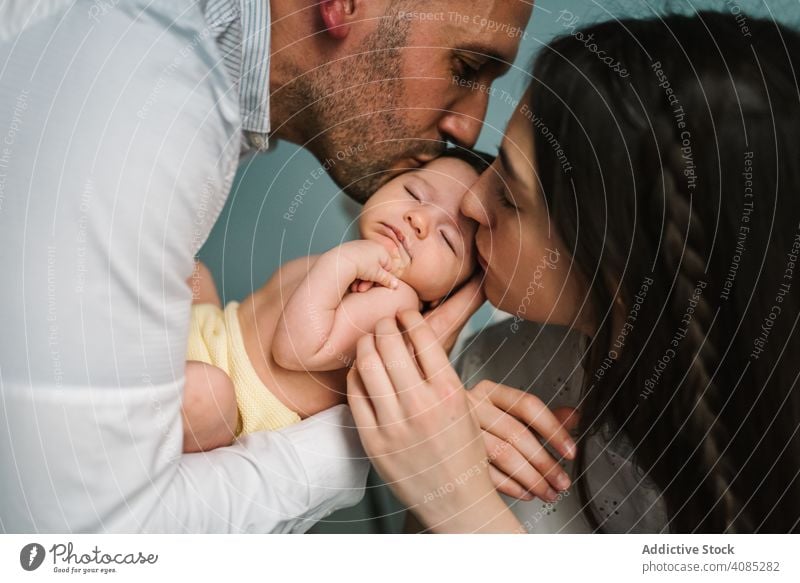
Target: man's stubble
353,119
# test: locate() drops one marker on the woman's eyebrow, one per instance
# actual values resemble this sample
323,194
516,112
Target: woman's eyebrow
506,162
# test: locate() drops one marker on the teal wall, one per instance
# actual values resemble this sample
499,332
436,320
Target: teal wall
252,237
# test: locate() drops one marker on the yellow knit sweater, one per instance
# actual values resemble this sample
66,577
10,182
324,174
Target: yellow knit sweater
215,338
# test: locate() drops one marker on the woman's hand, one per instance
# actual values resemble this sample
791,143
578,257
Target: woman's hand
417,426
448,318
511,420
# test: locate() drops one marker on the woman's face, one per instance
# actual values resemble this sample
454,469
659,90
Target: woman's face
529,272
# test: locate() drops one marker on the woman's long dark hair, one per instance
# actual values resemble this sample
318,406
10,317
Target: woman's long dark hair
668,151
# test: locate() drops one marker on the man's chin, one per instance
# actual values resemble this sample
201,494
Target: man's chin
361,189
395,171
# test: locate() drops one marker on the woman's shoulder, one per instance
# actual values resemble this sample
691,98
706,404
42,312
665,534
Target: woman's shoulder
539,358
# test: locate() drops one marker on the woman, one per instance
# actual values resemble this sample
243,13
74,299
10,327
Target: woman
654,209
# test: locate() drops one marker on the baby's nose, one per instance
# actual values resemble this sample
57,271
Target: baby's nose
418,223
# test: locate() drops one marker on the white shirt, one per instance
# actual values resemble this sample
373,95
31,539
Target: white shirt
120,135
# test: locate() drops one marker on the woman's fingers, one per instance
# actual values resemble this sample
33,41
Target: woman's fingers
448,318
515,434
532,412
375,381
508,486
508,460
568,417
359,401
397,359
429,354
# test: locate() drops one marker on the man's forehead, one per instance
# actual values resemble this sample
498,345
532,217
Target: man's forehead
497,26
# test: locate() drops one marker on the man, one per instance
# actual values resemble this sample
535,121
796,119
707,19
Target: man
121,127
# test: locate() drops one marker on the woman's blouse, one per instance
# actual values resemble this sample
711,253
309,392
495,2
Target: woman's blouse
546,361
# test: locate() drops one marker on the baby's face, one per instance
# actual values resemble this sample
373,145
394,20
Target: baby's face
418,210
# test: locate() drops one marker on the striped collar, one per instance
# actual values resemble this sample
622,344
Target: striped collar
241,29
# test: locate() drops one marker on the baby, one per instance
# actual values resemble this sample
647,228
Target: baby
283,354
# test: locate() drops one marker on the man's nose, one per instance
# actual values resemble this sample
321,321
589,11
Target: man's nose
462,124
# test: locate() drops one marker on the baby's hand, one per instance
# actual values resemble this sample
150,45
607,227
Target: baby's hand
360,286
400,261
372,261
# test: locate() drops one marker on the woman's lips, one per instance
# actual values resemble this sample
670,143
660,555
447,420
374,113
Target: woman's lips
481,260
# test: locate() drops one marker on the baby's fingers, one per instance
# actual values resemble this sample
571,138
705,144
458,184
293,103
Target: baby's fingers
360,286
384,278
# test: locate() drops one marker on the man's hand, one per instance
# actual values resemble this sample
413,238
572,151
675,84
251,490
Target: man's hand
512,422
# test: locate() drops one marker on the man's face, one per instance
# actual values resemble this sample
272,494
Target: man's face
421,78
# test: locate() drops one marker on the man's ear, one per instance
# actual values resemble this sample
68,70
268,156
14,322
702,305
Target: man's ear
336,16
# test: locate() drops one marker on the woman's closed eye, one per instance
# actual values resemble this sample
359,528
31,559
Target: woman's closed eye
506,198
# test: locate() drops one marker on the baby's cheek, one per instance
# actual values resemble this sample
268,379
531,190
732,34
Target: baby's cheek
437,281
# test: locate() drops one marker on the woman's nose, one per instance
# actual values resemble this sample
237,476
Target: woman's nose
472,205
418,221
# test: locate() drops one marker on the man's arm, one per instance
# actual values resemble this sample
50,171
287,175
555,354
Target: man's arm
94,460
117,173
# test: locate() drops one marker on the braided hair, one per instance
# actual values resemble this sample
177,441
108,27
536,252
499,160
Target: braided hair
680,207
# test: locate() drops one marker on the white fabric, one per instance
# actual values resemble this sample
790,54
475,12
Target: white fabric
546,361
119,140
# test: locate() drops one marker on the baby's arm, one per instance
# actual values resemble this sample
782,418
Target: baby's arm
210,414
204,291
321,322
